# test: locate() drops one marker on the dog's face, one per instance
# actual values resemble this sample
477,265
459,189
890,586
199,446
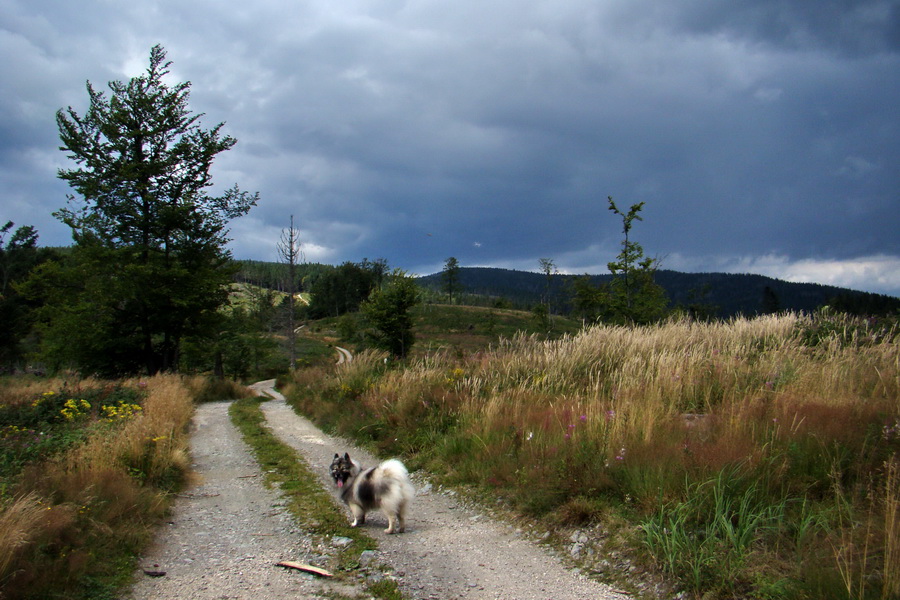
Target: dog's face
341,469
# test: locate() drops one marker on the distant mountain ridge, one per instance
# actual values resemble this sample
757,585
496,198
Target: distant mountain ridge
727,294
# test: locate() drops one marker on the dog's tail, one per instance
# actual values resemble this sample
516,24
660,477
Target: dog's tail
394,468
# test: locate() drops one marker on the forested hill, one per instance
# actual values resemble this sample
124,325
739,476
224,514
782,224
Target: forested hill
725,293
719,294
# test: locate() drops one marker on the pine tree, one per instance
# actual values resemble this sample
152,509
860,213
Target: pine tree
387,311
450,277
633,296
149,239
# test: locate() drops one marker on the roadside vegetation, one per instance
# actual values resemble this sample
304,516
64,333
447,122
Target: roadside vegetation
87,469
753,458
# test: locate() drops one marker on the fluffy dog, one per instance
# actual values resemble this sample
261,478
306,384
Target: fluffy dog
386,487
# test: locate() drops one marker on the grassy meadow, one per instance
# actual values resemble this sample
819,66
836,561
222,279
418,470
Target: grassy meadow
754,458
87,468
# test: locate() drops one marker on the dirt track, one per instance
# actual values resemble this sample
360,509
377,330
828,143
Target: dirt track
228,533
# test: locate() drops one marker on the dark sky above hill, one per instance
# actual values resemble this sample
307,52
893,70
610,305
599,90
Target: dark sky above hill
764,136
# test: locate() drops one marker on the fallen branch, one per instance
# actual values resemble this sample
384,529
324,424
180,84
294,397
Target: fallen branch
304,567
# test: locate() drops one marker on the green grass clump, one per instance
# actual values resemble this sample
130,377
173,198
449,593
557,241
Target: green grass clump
707,539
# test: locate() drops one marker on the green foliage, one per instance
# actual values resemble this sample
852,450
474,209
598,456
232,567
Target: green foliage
541,315
213,389
706,538
697,305
462,329
348,327
150,264
636,299
831,327
632,296
274,275
44,426
22,445
18,257
864,304
345,288
587,298
770,304
388,312
238,343
79,320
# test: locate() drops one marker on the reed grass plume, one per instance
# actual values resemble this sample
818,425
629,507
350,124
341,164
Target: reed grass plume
18,520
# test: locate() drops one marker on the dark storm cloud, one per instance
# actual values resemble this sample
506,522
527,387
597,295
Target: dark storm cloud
762,136
852,27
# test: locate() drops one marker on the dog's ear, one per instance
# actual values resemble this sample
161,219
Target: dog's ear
347,456
335,455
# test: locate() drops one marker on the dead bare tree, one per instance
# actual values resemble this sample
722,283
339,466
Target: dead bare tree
291,254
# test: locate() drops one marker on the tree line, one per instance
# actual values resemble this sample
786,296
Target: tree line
700,295
147,285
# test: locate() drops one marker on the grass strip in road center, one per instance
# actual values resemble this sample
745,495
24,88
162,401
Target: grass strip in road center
311,506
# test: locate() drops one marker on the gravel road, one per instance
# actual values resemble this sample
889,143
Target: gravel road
228,532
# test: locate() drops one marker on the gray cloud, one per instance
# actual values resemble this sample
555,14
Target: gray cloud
494,132
851,27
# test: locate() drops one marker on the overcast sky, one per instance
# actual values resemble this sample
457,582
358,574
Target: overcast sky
764,136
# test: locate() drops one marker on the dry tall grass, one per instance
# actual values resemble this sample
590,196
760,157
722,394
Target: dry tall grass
891,586
746,377
785,405
150,444
93,507
18,519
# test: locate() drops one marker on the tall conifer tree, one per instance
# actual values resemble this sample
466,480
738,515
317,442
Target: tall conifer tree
149,239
